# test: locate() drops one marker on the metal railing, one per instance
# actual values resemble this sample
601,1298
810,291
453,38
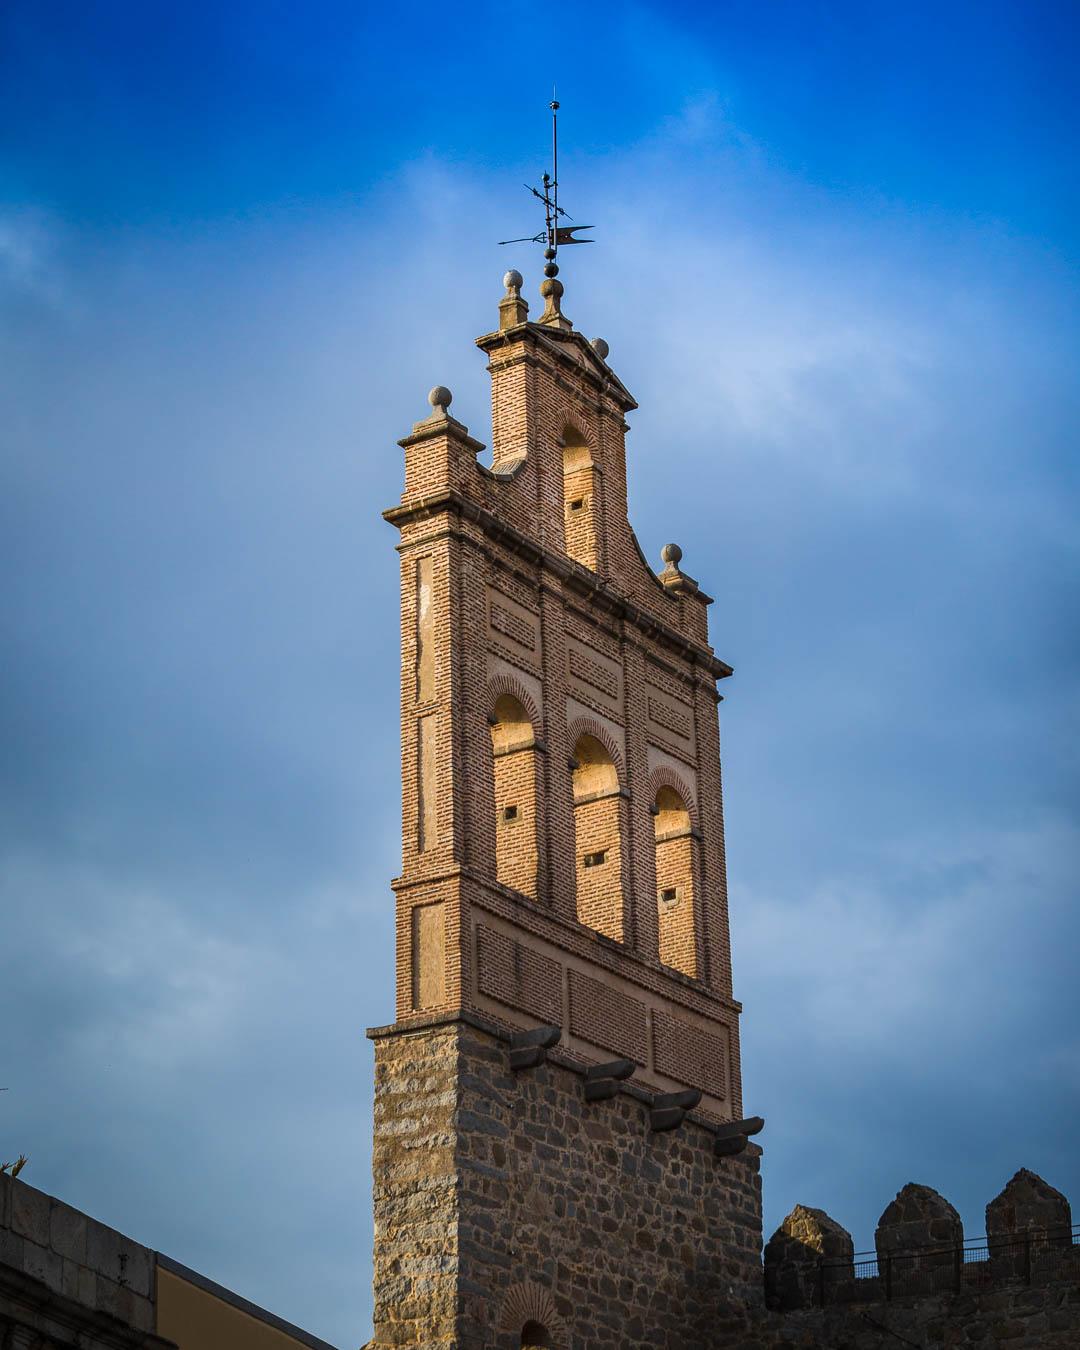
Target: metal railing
1035,1256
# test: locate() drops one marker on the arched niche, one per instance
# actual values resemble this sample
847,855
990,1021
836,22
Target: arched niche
675,871
513,746
581,506
598,834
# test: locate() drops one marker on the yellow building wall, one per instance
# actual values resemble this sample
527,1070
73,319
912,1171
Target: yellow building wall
197,1320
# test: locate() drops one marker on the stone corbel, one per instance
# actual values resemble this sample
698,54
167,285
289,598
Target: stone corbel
668,1111
528,1049
602,1080
733,1136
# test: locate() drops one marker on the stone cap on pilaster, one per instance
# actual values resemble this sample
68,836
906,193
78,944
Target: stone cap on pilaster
673,579
556,333
513,310
552,289
564,346
440,423
439,453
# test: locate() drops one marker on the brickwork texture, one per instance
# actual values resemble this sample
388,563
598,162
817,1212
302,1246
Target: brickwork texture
562,867
560,747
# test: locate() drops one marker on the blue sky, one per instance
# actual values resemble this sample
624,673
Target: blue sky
835,265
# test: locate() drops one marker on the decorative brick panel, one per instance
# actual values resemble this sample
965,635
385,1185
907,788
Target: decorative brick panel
606,1017
519,976
429,955
425,630
688,1054
670,718
593,670
513,624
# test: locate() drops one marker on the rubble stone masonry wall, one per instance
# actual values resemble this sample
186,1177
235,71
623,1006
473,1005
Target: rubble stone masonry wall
504,1200
1046,1318
1016,1318
510,1200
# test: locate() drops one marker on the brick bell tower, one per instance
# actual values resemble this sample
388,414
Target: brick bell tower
560,1157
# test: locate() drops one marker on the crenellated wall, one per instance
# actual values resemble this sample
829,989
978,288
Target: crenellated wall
1019,1286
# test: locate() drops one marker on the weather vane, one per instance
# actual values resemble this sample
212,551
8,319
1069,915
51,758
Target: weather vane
553,234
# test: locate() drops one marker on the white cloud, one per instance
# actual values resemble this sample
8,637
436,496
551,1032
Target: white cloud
249,383
29,256
931,941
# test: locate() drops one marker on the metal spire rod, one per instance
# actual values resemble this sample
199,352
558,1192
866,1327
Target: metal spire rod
553,235
553,227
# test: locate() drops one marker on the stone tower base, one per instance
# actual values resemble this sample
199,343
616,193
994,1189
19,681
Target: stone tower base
510,1211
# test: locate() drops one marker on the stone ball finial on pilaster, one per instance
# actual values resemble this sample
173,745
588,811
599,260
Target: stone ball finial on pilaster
552,289
513,310
440,399
671,577
601,348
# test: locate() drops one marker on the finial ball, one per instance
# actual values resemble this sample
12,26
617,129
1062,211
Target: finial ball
551,269
513,280
549,253
551,287
671,554
440,397
601,348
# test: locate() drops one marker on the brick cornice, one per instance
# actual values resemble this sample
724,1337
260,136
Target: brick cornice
553,342
464,1017
575,576
574,938
435,427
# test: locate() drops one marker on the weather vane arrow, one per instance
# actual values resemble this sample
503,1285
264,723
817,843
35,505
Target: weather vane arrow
564,234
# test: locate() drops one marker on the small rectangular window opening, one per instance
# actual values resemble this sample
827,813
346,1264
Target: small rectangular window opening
510,813
578,504
669,895
595,859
